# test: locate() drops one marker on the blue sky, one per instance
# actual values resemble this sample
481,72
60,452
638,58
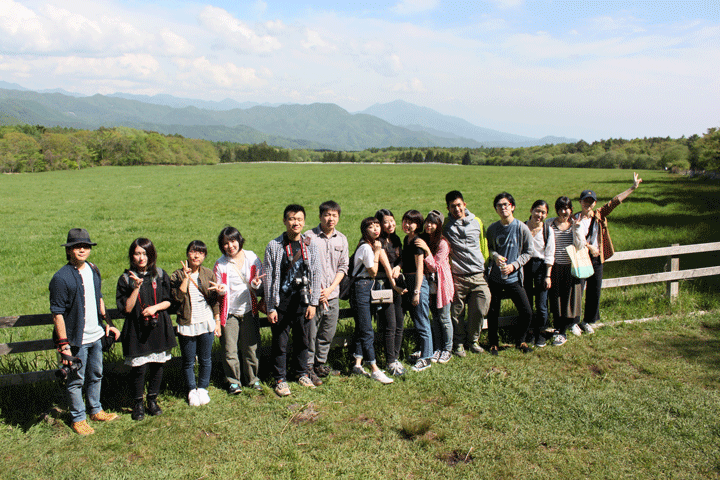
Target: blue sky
581,69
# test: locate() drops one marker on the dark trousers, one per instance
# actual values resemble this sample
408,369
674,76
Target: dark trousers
534,273
152,370
593,286
391,319
516,293
294,319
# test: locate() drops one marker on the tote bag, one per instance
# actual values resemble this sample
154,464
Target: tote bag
580,264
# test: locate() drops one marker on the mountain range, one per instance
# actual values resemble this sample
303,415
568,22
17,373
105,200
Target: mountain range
316,126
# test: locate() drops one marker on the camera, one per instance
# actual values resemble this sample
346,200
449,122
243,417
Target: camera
302,284
152,321
64,370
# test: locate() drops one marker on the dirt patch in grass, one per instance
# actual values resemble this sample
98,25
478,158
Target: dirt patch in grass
595,371
306,415
456,457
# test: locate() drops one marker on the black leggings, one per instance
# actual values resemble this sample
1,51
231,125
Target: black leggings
137,376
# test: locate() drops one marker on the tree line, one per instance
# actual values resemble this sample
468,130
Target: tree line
27,148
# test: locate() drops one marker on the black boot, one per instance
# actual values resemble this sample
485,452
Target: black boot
138,412
152,406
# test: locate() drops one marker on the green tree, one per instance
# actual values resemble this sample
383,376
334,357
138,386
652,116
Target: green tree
709,150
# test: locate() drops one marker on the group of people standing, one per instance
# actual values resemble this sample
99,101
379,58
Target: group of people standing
444,267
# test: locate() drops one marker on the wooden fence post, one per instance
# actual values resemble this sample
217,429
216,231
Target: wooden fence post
673,265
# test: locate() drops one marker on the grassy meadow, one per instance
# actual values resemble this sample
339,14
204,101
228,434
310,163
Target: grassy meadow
636,400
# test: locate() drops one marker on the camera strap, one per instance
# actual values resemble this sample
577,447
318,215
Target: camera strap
294,258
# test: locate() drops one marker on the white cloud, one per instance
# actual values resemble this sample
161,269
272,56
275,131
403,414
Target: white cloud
412,86
313,40
228,75
175,44
409,7
234,34
128,65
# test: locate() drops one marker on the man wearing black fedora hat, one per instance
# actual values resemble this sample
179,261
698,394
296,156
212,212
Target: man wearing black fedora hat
78,312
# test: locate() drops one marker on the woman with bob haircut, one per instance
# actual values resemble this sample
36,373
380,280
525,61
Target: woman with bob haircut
392,317
143,294
198,319
369,254
238,273
413,258
565,290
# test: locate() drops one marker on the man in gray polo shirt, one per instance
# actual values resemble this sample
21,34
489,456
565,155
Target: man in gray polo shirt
466,234
332,247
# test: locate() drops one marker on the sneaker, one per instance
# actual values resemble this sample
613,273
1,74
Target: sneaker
380,376
103,416
540,342
524,348
494,351
415,356
304,381
257,386
203,397
282,389
193,398
314,378
422,364
82,428
459,351
396,368
476,348
559,340
322,371
435,357
587,328
359,370
575,330
445,357
234,389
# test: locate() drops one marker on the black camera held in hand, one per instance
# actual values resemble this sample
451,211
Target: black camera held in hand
152,321
64,370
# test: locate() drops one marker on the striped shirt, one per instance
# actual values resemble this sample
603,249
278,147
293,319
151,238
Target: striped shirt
563,238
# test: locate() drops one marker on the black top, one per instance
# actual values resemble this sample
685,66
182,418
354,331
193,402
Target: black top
290,298
138,336
408,256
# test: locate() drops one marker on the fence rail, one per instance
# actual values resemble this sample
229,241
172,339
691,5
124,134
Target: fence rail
671,277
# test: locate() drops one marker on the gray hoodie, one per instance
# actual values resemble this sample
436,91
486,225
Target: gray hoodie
469,250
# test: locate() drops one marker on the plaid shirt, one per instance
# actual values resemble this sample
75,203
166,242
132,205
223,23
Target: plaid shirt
271,266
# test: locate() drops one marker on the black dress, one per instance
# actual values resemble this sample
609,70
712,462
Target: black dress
139,337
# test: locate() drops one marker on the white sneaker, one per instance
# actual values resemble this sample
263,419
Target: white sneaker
436,356
203,396
380,376
559,340
193,398
587,328
575,330
445,357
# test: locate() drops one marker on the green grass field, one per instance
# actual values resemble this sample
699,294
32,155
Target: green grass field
631,401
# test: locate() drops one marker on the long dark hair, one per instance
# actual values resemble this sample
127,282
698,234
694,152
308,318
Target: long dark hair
434,238
149,248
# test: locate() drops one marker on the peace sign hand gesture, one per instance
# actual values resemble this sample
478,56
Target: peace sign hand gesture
136,281
218,287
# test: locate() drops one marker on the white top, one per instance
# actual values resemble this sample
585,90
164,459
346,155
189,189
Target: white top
238,295
585,228
202,320
539,248
364,257
93,331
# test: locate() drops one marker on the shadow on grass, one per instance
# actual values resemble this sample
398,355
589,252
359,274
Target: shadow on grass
702,352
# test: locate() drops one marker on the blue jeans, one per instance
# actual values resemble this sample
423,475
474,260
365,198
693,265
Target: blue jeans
420,316
442,327
89,374
364,334
202,346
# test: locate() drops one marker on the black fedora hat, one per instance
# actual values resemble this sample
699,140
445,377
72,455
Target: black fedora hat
77,236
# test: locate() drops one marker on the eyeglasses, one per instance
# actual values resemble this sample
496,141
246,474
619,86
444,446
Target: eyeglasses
503,205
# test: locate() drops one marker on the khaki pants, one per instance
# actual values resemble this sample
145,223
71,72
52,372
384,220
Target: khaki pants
473,291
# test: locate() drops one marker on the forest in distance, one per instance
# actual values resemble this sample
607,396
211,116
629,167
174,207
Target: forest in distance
35,148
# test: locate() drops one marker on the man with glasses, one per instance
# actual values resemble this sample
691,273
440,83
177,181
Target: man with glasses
509,244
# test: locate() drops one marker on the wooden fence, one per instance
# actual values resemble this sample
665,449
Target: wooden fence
671,277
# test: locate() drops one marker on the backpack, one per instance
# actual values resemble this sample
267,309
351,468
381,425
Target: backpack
348,280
